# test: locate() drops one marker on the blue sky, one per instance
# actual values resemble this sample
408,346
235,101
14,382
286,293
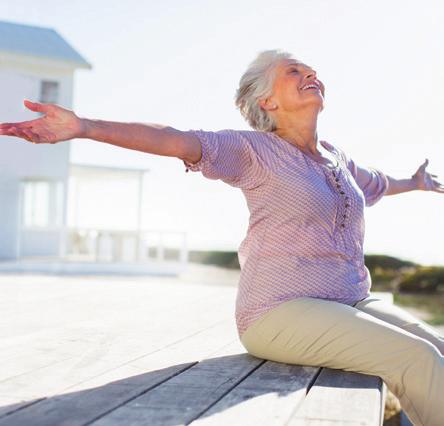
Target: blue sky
179,63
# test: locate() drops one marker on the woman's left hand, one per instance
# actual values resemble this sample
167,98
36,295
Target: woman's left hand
425,181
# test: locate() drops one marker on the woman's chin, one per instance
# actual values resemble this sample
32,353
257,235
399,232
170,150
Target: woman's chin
318,103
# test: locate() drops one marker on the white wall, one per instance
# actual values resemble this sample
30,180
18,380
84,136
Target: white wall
9,190
20,79
17,156
40,243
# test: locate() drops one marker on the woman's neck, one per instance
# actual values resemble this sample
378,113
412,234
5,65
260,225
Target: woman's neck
302,133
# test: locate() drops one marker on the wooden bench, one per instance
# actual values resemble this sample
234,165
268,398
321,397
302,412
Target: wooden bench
175,361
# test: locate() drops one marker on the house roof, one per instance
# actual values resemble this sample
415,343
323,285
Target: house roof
38,41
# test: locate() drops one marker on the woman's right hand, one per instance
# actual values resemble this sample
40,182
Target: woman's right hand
58,124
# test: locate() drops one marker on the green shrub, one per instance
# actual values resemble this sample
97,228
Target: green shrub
373,261
226,259
425,279
384,275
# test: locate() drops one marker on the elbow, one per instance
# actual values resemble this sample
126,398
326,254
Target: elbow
189,148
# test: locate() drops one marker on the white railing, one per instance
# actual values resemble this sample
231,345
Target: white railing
106,245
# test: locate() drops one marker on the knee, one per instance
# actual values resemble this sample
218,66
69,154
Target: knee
419,357
428,334
424,350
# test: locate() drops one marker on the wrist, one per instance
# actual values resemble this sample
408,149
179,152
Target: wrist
85,128
413,184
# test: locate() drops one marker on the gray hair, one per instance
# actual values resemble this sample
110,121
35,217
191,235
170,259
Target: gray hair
256,83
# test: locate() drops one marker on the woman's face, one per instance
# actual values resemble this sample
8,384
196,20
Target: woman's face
290,91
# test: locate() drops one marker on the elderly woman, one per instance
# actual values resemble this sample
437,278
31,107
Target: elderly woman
303,294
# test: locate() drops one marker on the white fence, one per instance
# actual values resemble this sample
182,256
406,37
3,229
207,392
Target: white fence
104,245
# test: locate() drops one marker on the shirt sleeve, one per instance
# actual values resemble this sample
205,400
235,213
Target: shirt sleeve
372,181
229,156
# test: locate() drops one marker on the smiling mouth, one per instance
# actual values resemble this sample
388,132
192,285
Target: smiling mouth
310,86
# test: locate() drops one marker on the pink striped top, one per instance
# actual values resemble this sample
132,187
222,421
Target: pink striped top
306,227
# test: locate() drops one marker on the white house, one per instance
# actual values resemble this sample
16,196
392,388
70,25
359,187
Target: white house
38,64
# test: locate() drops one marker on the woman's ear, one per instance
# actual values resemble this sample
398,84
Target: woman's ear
267,104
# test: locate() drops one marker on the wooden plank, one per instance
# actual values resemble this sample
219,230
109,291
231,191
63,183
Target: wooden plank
187,395
386,296
266,397
102,326
85,403
106,338
61,376
235,406
405,420
339,396
186,351
29,309
27,363
9,405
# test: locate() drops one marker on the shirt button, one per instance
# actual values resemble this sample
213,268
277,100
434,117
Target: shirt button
344,215
347,205
342,192
336,179
342,225
338,185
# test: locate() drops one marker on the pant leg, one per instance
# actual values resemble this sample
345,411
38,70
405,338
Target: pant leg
401,318
318,332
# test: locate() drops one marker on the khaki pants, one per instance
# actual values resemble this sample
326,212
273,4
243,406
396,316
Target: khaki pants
372,337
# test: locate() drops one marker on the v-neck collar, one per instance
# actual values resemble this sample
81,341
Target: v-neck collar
325,144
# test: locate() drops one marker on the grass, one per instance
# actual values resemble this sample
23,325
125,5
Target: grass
432,303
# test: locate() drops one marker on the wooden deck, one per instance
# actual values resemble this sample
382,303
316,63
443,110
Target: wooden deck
118,351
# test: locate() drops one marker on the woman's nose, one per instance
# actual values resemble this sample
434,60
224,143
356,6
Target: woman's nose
310,74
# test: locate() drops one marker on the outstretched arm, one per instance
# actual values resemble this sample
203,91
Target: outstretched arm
59,124
421,180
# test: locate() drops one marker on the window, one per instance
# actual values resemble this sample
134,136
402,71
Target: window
42,204
36,204
49,92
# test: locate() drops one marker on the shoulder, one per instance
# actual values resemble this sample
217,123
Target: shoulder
250,135
254,138
253,142
251,139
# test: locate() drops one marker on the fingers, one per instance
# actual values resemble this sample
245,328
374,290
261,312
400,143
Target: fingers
31,133
36,106
11,131
5,132
437,186
6,127
26,134
425,164
20,133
